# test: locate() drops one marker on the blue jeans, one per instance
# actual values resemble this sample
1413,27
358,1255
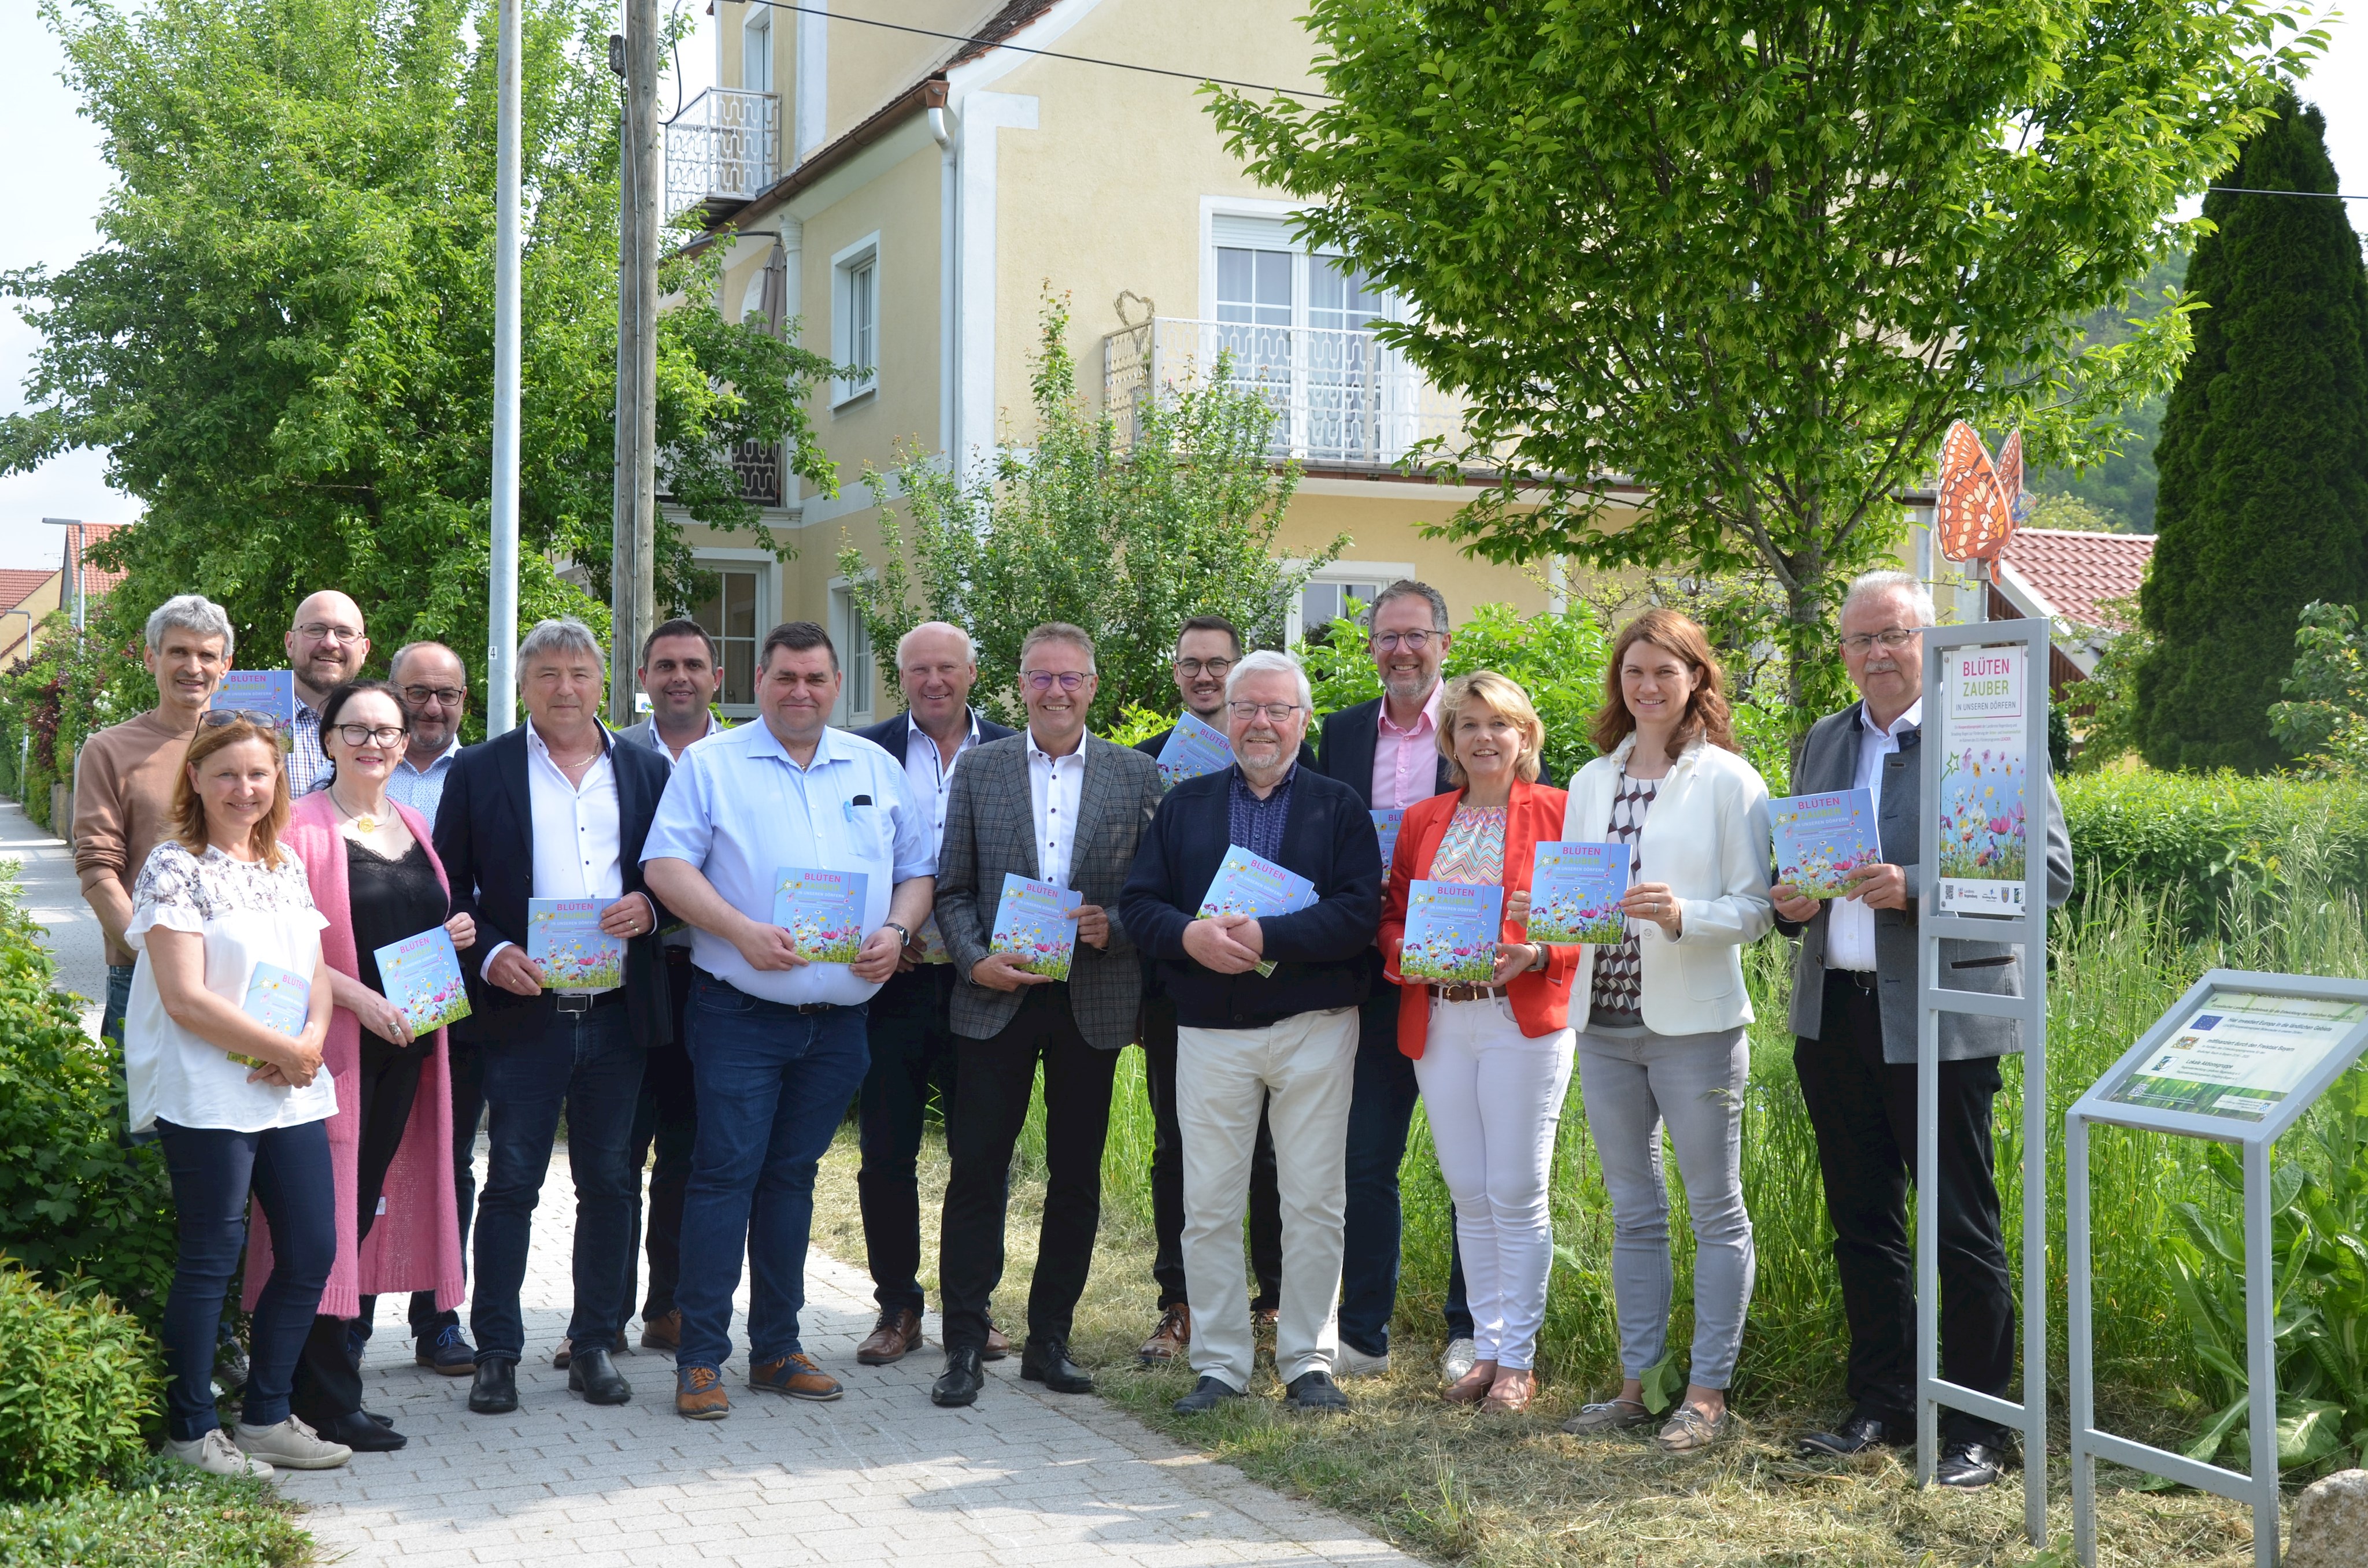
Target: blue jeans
773,1085
1381,1113
590,1063
213,1170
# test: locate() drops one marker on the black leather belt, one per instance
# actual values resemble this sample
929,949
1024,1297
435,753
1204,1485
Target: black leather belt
1469,993
1864,979
581,1003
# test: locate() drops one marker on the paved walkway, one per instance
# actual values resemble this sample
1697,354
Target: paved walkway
53,895
1024,1478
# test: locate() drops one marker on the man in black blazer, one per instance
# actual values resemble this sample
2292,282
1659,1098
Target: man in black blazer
555,809
911,1038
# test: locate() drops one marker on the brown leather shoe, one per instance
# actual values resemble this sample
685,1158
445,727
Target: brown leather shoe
1171,1339
663,1332
997,1348
896,1335
1265,1318
796,1376
699,1394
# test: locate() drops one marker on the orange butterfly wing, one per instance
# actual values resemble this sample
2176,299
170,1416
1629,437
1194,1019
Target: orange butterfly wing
1972,518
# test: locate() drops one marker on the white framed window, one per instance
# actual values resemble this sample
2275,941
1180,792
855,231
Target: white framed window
1328,594
756,49
738,603
855,318
856,692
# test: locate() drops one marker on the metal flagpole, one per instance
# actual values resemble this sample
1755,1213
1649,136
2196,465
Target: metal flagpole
501,630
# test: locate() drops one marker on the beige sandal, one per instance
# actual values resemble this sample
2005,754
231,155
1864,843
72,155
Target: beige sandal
1691,1430
1511,1392
1474,1386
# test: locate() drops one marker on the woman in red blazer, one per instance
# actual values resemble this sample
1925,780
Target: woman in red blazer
1493,1059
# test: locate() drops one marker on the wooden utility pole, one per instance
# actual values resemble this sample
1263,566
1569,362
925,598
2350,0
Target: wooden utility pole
632,596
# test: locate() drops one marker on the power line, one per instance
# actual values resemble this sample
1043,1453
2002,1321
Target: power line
2253,190
1045,54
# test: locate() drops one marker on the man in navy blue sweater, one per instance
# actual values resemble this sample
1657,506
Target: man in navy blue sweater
1285,1041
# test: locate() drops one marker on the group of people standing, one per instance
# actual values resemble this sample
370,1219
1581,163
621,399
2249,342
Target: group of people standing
1285,1054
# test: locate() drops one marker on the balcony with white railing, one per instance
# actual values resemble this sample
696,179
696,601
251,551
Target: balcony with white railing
1341,398
722,149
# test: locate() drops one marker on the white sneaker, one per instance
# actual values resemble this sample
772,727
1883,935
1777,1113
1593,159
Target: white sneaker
215,1454
1457,1364
1350,1362
292,1445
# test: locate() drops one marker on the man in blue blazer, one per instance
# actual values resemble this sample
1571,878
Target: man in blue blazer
911,1037
555,809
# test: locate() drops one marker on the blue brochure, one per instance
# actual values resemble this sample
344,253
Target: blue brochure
1574,893
1246,884
822,911
261,691
1451,932
1821,839
1038,923
1387,826
422,975
563,936
278,998
1194,748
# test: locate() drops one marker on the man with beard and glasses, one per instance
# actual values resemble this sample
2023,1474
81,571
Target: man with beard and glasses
327,646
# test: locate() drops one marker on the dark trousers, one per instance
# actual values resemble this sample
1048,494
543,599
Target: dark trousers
991,1094
667,1121
386,1083
212,1170
1863,1109
588,1063
466,1069
1167,1175
1381,1113
911,1054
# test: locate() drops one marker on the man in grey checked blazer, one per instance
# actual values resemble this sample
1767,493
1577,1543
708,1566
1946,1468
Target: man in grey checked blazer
1058,805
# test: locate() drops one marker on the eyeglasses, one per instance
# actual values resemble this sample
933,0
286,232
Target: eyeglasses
1193,668
1890,637
1412,641
1276,712
217,718
1041,680
449,695
324,631
358,734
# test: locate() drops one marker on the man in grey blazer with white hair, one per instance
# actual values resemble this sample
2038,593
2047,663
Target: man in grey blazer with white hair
1854,1023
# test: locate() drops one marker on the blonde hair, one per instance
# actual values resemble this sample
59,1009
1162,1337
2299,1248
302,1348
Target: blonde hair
189,807
1502,696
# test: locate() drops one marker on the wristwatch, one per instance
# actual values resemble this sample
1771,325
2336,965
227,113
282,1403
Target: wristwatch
892,925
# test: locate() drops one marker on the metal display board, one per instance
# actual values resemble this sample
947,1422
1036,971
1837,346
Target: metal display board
2239,1060
1983,850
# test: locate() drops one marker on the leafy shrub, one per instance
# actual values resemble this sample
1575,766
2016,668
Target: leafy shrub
160,1515
2210,843
77,1208
75,1386
2327,718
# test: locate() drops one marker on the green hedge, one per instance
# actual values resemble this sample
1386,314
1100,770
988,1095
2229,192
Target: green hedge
76,1386
2210,843
160,1515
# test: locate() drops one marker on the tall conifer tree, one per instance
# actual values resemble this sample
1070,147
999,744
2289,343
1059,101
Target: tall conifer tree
2263,460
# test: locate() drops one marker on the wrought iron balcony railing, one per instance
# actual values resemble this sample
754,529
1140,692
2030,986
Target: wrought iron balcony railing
1341,398
722,149
758,464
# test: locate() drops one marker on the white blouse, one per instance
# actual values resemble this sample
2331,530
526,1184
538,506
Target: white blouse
248,915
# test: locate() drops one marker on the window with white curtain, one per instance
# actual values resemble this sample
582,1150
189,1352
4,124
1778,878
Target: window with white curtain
1296,325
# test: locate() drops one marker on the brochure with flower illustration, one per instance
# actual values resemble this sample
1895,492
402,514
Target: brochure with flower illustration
1037,921
1194,747
1821,839
1385,827
1983,857
261,691
1248,884
421,976
822,911
277,998
1574,893
1451,932
563,936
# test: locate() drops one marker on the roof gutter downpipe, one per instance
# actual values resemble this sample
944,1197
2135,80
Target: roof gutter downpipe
946,129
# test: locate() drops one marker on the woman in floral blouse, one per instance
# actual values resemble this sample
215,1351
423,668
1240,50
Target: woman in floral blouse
221,1047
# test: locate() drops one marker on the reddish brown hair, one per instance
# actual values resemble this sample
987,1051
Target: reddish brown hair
1706,711
190,808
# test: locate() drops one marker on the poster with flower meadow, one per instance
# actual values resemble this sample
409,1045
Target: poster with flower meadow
1194,747
1574,893
822,911
1252,885
421,976
1036,922
1983,780
563,936
1821,839
1451,932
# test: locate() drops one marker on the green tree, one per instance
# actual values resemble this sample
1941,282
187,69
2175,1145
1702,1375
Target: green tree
2325,716
1125,540
1755,257
2119,485
2263,459
284,338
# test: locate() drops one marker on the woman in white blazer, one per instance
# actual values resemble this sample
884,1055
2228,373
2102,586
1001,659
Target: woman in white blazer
1660,1018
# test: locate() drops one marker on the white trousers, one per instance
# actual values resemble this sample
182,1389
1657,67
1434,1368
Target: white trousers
1301,1072
1494,1097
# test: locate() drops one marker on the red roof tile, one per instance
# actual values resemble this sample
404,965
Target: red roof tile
94,582
17,584
2072,571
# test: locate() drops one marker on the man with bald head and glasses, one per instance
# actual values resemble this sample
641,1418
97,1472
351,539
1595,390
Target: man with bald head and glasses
327,646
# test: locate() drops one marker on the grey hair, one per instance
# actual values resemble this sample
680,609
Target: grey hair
1263,661
191,612
1868,585
970,643
1404,588
560,634
395,664
1061,631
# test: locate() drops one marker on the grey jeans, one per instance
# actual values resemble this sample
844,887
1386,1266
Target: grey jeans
1695,1084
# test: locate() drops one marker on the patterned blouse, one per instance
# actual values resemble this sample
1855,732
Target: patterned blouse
1619,971
1473,848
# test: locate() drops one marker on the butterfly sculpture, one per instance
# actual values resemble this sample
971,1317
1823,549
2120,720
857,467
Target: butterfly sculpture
1981,503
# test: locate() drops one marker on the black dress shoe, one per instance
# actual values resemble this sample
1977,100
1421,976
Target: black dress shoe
1047,1361
1970,1465
360,1433
1861,1433
591,1373
1206,1395
1315,1393
495,1391
959,1382
385,1420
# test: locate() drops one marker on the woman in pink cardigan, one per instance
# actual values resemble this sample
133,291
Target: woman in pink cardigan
375,877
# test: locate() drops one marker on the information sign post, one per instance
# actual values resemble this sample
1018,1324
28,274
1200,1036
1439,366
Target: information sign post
2238,1060
1984,855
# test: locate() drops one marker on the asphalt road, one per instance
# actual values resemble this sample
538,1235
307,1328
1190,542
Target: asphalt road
53,896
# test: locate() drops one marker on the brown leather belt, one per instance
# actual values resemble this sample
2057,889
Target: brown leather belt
1468,993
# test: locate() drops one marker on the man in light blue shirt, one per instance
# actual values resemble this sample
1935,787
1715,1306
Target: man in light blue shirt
776,1040
435,691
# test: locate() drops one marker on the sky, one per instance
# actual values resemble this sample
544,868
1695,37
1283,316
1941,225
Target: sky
51,202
